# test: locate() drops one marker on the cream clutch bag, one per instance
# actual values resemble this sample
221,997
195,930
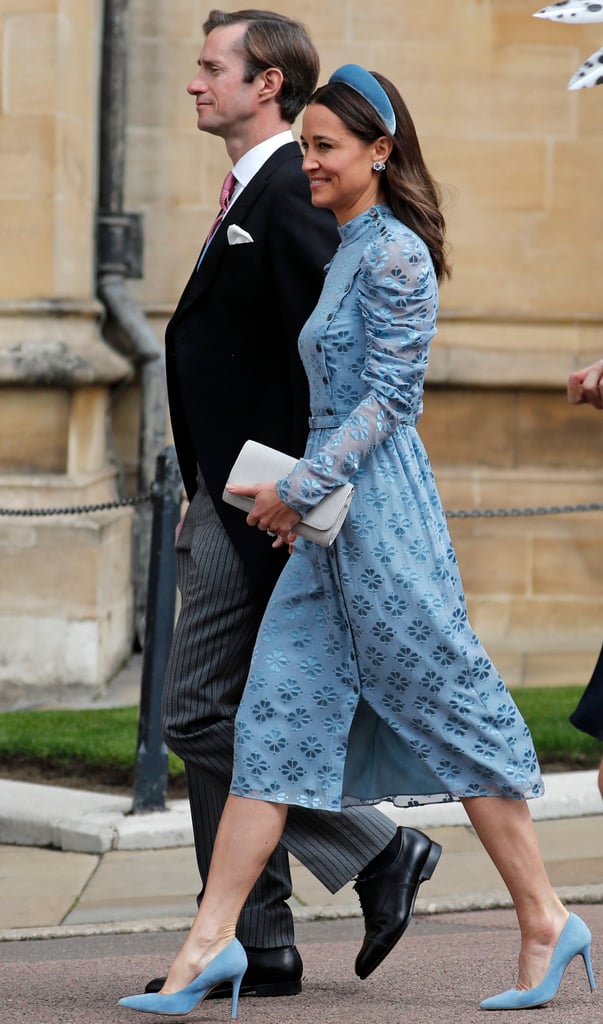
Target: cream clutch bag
257,463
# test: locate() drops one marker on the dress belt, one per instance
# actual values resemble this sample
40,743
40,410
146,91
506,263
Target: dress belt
335,420
328,420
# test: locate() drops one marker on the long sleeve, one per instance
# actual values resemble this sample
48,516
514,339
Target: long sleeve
395,306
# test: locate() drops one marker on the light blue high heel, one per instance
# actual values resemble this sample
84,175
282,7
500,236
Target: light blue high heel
229,965
574,941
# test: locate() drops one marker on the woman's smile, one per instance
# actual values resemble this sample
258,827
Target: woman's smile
339,165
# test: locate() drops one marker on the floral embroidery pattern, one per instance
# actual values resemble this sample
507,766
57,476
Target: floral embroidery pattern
366,646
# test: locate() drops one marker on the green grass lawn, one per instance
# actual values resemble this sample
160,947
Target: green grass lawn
104,740
101,741
546,711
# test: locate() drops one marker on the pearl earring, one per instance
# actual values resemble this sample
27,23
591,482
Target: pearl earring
378,165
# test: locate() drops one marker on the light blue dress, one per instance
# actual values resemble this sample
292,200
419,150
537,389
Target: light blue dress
367,681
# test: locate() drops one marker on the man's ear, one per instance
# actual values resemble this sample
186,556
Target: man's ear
270,81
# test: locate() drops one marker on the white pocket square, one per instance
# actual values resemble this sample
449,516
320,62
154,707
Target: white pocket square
237,235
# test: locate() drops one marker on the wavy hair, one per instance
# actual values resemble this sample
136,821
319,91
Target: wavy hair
406,184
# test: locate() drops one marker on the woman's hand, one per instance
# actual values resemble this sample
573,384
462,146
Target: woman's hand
269,513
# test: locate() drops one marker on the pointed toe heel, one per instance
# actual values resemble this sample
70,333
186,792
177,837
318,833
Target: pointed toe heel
575,940
228,966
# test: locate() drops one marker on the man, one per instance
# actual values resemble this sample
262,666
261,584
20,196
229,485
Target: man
233,373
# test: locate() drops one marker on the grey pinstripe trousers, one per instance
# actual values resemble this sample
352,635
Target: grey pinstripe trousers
207,670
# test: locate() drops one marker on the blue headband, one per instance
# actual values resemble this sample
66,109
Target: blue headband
362,82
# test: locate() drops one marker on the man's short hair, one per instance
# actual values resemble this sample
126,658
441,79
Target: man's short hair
274,41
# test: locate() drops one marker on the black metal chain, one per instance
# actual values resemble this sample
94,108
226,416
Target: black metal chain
462,513
493,513
76,509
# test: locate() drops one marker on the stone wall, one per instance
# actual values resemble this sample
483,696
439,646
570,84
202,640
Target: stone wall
518,158
66,597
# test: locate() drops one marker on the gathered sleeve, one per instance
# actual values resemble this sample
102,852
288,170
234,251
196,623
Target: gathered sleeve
397,300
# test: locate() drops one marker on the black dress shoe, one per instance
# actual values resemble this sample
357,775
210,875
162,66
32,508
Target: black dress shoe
387,889
270,972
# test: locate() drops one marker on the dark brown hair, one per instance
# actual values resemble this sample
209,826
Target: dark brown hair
275,41
406,184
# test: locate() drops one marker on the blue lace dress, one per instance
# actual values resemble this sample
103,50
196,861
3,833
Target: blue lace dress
367,681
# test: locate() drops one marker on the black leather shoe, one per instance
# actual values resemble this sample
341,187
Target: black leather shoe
270,972
387,889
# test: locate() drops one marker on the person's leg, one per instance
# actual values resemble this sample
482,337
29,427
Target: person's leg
600,778
388,864
262,924
206,673
205,677
207,670
506,831
337,845
249,832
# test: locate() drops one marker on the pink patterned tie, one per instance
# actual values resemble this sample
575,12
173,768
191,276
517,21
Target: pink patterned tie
225,196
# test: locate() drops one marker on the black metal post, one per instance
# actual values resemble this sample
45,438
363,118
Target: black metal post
150,778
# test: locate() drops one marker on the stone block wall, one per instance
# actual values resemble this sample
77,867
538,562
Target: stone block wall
66,594
533,582
48,135
518,159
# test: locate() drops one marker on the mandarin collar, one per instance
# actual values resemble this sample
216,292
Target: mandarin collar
356,227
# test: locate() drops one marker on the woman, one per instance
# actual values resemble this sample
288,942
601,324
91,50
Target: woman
367,681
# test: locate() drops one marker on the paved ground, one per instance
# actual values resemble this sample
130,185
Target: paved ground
93,901
80,929
438,973
153,883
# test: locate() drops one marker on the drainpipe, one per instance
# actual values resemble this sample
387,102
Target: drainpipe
119,248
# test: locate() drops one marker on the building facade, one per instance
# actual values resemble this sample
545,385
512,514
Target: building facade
518,159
